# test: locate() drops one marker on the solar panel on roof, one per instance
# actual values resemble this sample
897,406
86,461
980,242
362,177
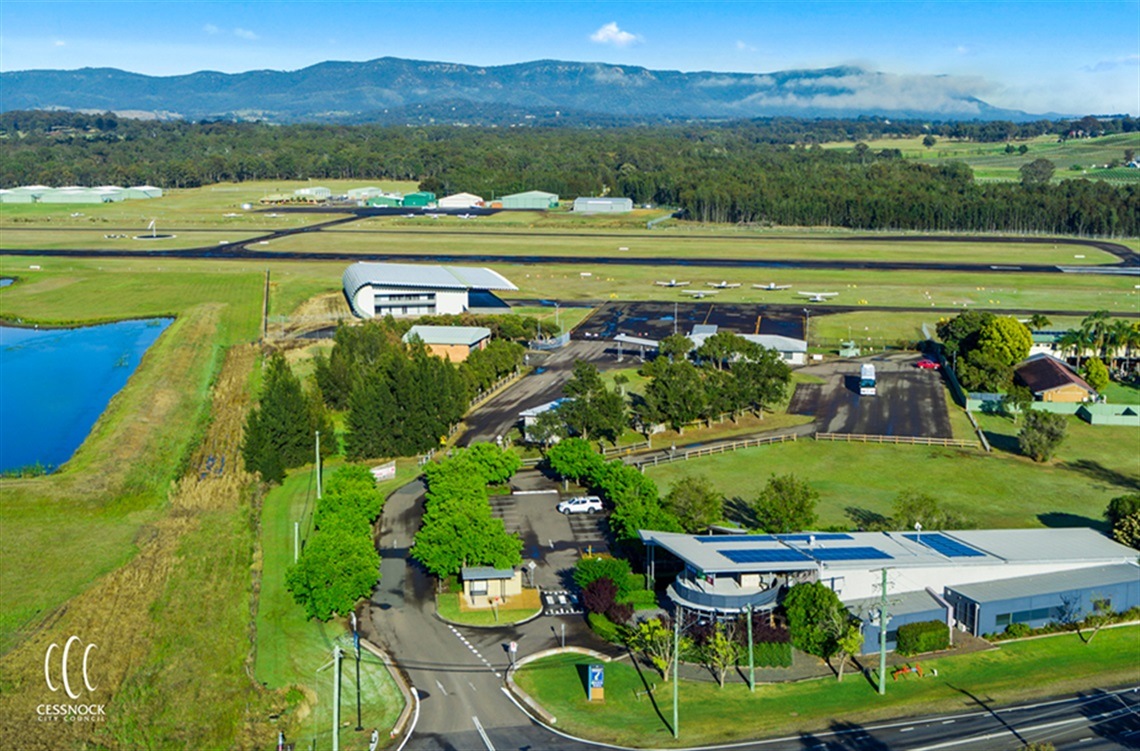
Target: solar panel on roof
849,554
734,538
819,537
946,546
763,556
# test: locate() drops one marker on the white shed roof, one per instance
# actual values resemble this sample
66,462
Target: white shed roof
362,274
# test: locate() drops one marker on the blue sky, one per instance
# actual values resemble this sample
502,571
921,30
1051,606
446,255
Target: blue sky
1074,56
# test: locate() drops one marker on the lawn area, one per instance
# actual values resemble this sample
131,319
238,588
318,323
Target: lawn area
1120,393
990,160
420,237
291,647
999,490
566,318
1011,673
449,608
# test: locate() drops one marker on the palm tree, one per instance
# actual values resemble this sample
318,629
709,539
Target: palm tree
1095,326
1038,321
1078,340
1116,338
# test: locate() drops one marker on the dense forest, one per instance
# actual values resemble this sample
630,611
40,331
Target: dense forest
766,171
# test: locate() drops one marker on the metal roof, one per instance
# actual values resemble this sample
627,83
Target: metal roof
469,335
1046,545
541,193
472,573
898,604
362,274
768,341
864,550
1047,584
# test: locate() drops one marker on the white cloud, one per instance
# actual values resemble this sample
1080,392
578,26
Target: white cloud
60,43
1113,63
245,34
210,29
611,34
744,46
875,91
962,49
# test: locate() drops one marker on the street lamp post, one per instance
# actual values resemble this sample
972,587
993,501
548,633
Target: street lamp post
356,644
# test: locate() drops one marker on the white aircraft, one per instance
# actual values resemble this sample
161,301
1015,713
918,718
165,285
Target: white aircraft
434,216
672,283
722,285
817,296
697,294
771,286
468,216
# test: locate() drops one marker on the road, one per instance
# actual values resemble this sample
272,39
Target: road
459,672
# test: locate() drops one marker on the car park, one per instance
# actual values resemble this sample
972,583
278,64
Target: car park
583,504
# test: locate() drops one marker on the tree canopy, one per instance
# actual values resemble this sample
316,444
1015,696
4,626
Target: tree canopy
786,504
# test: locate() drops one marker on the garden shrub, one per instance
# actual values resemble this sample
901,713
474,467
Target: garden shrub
771,654
605,628
925,636
589,570
1017,630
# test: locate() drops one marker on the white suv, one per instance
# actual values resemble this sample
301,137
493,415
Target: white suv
583,504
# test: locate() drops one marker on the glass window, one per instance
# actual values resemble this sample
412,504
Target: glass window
1002,620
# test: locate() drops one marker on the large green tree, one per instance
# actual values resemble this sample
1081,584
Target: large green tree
811,608
337,568
786,504
1041,434
279,431
695,503
674,394
591,409
1096,374
1006,338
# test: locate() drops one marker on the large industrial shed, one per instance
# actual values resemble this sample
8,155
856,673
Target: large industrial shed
584,205
422,198
405,289
535,200
460,201
724,574
453,343
988,607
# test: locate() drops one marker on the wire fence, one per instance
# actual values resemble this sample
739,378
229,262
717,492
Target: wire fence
681,455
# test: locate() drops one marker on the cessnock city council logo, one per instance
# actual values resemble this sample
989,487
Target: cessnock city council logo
67,680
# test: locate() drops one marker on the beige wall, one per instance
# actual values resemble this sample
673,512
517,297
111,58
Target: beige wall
1071,393
502,588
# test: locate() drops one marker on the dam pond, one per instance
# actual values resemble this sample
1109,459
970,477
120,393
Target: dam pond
55,383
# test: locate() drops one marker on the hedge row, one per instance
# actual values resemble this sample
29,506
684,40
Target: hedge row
925,636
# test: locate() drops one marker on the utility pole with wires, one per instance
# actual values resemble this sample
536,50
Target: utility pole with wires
884,619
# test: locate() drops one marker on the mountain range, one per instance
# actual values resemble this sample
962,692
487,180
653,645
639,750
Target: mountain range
394,90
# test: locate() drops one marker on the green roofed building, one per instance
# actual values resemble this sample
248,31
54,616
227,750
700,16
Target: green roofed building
422,198
535,200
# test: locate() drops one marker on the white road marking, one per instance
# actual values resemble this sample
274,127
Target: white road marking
472,685
483,734
441,688
948,722
906,730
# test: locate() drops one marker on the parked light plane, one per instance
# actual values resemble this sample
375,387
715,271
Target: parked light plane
817,296
672,283
723,285
771,286
468,216
697,294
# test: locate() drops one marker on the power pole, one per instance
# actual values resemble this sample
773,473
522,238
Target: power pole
296,541
751,664
337,654
318,465
356,644
883,638
676,650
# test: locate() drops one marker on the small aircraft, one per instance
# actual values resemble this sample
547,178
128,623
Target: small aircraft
468,216
672,283
698,294
723,285
772,286
817,296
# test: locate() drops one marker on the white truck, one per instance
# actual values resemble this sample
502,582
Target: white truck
867,380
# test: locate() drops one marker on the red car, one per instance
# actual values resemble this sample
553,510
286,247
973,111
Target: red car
927,365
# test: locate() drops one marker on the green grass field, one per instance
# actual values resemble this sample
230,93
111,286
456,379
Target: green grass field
439,236
1000,490
291,647
1011,673
990,160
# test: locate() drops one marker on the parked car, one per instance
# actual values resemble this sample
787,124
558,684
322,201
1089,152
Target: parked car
583,504
927,365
